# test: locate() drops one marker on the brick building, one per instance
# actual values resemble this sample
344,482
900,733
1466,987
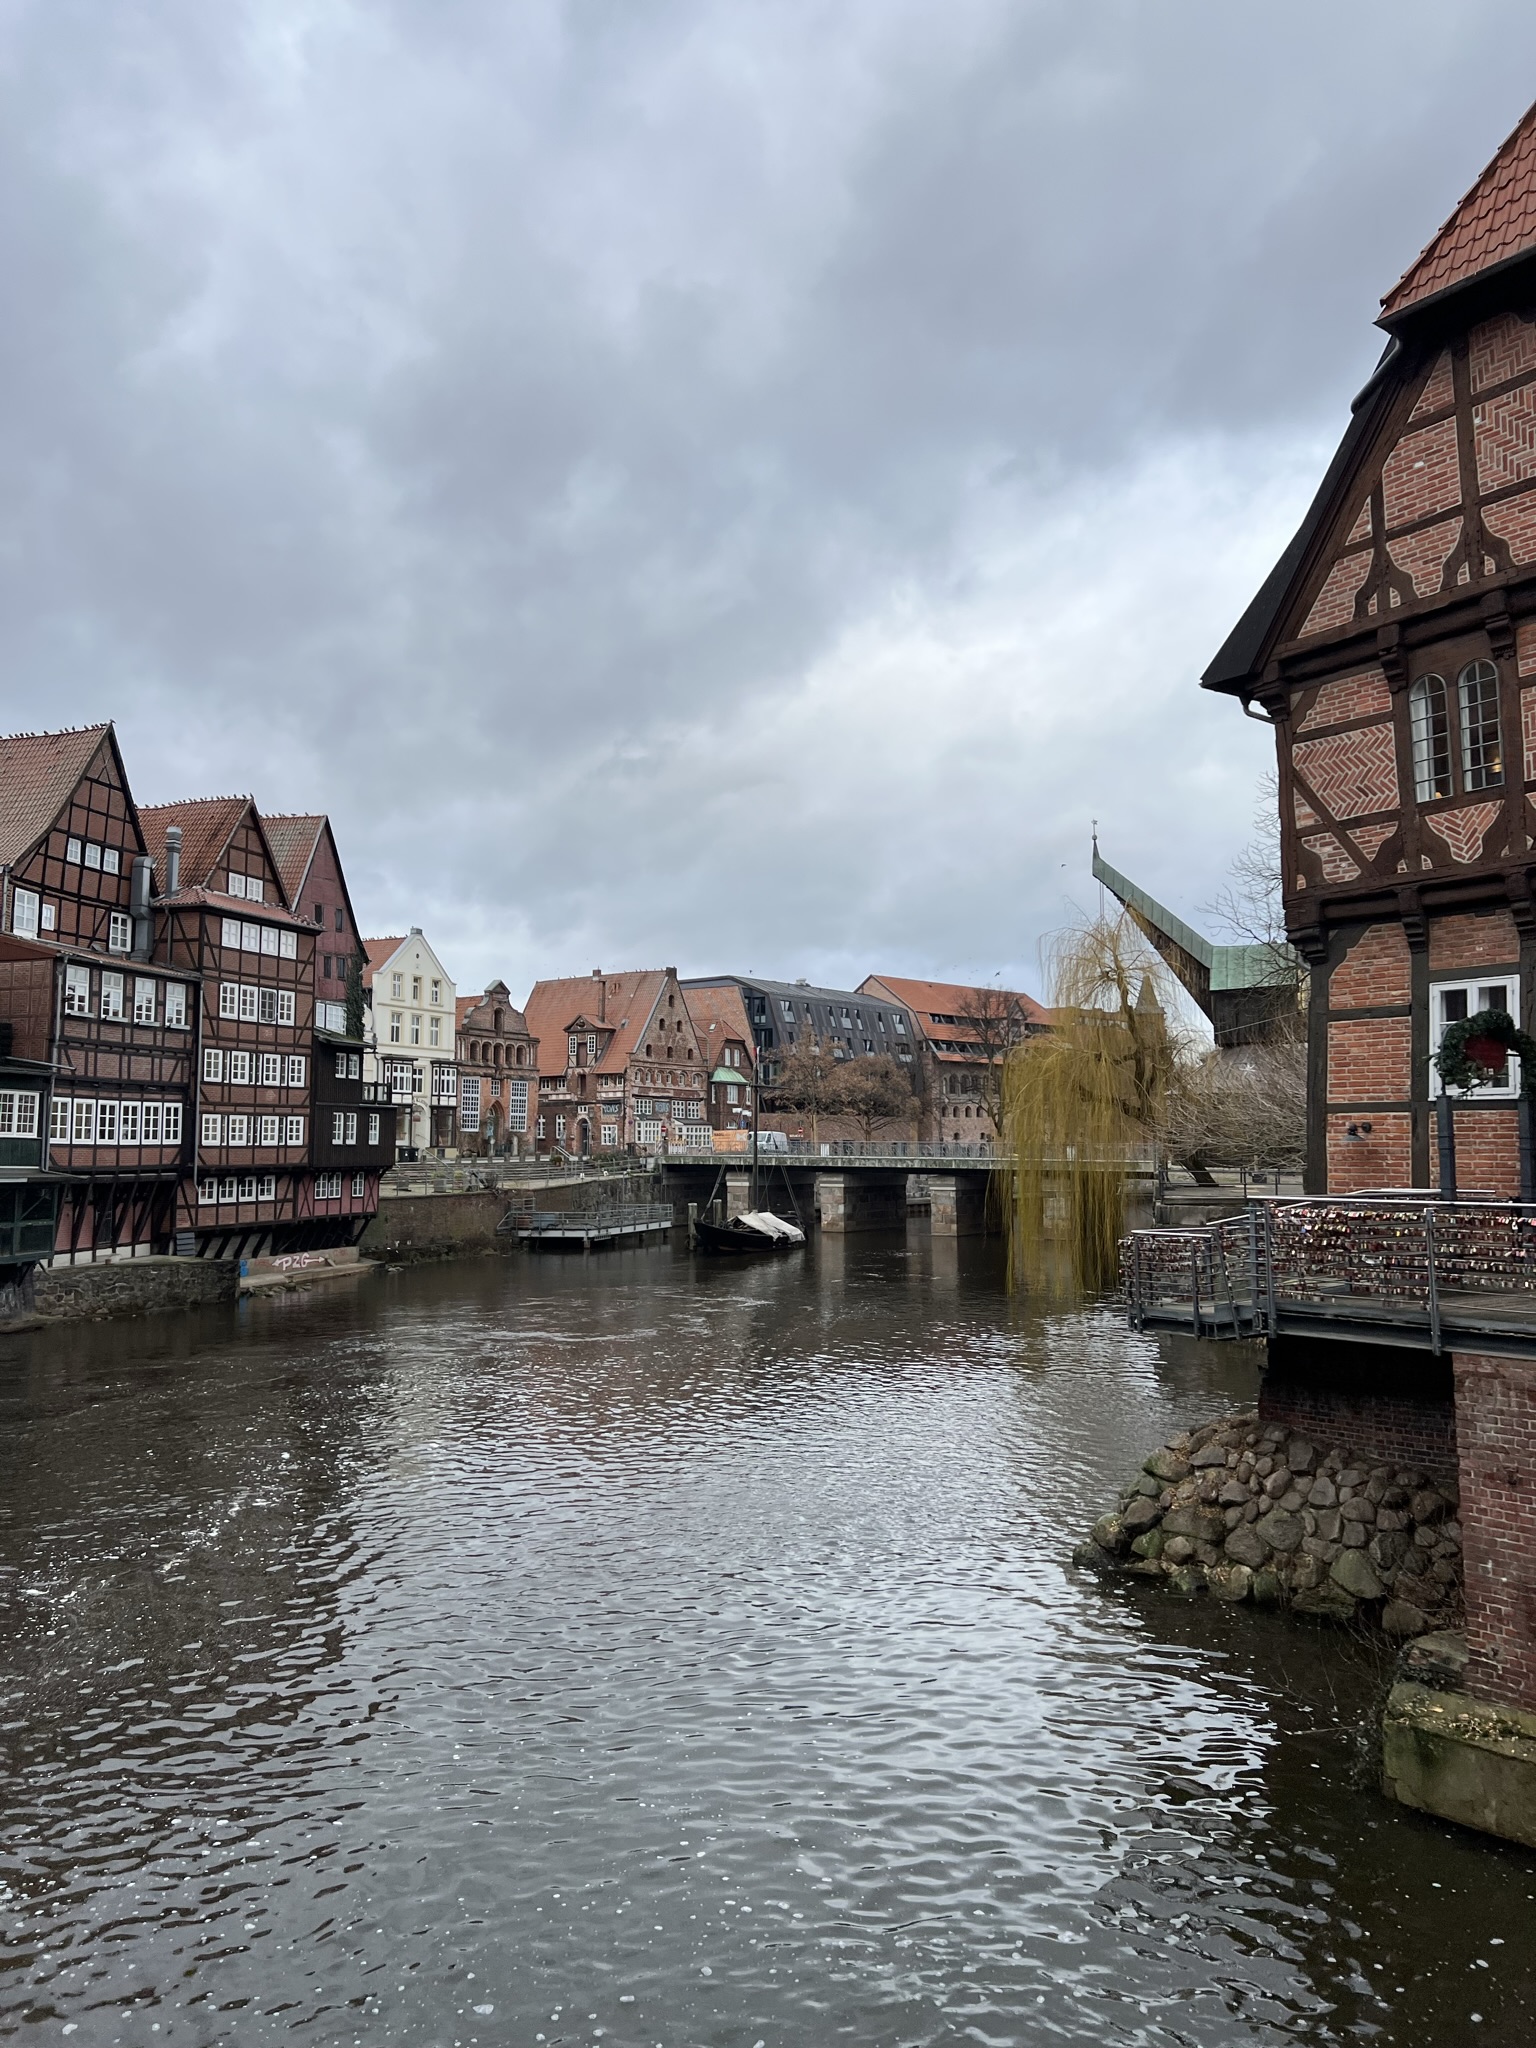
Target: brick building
90,998
719,1016
620,1064
1393,648
964,1036
498,1076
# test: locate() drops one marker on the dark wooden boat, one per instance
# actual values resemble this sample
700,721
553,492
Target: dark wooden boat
759,1231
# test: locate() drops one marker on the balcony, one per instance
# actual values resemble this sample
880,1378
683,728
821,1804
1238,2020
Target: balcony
1395,1268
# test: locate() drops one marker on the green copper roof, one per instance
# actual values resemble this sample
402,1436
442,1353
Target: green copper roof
1204,967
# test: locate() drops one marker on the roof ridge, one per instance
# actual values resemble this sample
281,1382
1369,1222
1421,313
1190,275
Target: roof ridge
183,803
57,732
1489,243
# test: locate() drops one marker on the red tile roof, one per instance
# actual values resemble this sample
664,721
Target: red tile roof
719,1014
622,1003
293,837
208,823
1494,222
236,906
38,774
927,999
379,952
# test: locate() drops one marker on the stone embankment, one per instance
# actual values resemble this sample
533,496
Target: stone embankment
1247,1511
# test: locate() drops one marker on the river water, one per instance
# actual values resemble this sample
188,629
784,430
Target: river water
637,1651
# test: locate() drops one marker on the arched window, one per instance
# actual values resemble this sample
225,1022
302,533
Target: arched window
1431,739
1482,751
522,1055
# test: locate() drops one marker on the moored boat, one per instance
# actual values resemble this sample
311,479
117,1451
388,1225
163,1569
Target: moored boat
759,1230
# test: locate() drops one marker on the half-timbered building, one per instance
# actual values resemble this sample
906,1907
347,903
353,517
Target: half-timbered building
352,1119
89,995
620,1064
1393,648
224,917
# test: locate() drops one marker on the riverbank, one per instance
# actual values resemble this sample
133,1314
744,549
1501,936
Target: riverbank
1248,1511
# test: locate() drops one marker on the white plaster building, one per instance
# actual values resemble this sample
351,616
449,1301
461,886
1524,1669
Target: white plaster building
409,1041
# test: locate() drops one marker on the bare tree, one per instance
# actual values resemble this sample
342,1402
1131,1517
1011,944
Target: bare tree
1241,1108
875,1091
997,1021
1250,901
809,1081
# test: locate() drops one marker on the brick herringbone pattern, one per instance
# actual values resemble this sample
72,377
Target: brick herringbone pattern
1501,349
1465,830
1505,437
1354,773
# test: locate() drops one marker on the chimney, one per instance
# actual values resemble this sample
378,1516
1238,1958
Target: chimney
172,859
602,995
138,906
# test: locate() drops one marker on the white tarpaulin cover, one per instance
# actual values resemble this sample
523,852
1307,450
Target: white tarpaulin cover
768,1225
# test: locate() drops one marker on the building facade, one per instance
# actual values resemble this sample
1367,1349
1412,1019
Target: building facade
1393,649
92,996
725,1039
620,1065
352,1124
409,1030
964,1036
498,1076
850,1024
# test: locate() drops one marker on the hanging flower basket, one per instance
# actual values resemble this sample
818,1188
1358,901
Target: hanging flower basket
1474,1053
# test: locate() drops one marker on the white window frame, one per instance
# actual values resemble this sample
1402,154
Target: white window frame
58,1120
93,855
77,992
26,913
106,1122
237,1129
130,1125
119,932
82,1128
285,1006
111,860
237,1068
374,1127
293,1130
269,1130
151,1115
74,851
18,1113
213,1063
1473,990
517,1105
145,994
295,1070
170,1132
271,1070
175,1006
212,1129
359,1186
112,993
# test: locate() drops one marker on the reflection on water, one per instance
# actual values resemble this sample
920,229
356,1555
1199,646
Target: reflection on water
621,1649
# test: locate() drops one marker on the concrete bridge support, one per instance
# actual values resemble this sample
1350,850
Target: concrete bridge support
959,1204
862,1201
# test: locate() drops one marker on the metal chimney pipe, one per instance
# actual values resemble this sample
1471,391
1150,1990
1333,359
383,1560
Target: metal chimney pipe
138,905
172,859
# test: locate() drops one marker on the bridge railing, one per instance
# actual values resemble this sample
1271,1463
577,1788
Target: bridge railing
1354,1258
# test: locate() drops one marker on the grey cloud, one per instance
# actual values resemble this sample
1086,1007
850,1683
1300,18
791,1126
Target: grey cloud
498,424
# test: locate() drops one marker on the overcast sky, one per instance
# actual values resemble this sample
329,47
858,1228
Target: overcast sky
737,484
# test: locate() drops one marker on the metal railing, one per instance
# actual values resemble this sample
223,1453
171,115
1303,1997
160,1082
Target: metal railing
1380,1259
609,1219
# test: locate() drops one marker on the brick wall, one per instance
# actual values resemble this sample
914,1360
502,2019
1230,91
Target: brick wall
1368,1059
1423,555
1374,971
1479,939
1488,1150
1496,1435
1422,474
1381,1158
1499,349
1335,602
1390,1406
1348,699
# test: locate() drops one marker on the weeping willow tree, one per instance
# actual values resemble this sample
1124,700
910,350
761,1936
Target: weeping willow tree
1080,1100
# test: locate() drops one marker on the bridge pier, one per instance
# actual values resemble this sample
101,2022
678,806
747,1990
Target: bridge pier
861,1201
959,1204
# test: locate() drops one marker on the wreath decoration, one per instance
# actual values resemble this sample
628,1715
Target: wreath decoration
1474,1052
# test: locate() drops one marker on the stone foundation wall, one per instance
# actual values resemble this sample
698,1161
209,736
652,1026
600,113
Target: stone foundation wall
1496,1400
410,1227
1248,1510
132,1287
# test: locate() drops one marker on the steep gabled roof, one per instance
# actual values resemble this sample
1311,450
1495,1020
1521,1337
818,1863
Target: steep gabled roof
494,993
38,774
719,1015
622,1003
293,838
1494,223
208,823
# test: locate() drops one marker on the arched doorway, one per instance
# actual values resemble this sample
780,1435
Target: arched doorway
493,1129
584,1136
